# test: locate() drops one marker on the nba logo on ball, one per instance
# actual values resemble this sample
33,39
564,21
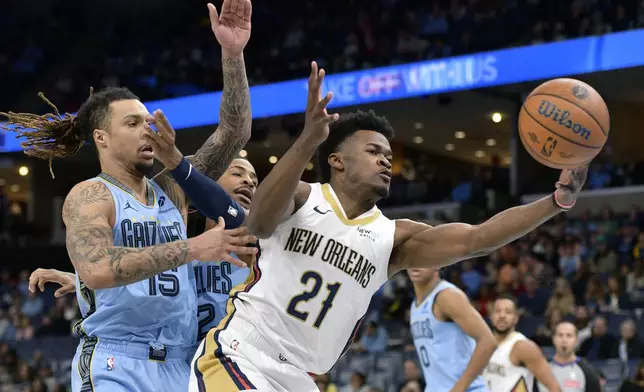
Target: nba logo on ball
548,147
110,363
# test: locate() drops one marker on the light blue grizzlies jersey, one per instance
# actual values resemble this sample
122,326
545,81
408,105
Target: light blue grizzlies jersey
214,283
442,346
161,309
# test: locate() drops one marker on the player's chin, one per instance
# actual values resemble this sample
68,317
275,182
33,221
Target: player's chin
381,190
144,166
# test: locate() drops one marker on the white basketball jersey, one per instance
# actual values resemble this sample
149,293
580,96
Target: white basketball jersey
317,274
501,375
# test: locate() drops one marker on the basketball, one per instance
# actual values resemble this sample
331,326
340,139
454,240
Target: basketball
564,123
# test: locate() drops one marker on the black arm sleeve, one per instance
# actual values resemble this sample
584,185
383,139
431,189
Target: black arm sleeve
592,379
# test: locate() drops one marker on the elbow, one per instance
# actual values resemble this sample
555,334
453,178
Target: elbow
259,230
95,281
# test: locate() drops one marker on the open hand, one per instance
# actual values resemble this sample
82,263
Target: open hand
317,119
570,183
218,244
162,140
66,280
232,26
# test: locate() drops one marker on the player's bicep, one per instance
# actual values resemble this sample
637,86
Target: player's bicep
456,306
424,246
533,359
86,214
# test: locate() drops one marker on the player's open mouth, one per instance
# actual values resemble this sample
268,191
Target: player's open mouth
245,194
146,151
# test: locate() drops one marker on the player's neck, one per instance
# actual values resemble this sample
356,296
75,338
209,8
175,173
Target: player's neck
501,336
131,178
422,291
352,201
565,358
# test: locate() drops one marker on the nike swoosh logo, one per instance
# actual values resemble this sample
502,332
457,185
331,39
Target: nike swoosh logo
316,209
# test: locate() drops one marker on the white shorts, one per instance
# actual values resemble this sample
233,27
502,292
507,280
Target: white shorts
236,357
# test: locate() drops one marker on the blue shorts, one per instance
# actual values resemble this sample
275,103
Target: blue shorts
116,366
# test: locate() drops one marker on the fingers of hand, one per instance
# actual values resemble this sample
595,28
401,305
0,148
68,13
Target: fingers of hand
243,240
248,10
225,7
241,250
233,260
239,231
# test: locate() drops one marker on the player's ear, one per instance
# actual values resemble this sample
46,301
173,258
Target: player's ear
100,136
336,162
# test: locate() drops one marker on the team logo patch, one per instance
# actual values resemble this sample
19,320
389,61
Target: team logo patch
161,201
232,211
110,363
367,233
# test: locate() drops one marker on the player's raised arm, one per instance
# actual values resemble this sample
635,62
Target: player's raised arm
530,355
87,212
446,244
232,29
455,306
281,192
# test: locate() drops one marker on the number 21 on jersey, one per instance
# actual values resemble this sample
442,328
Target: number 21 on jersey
308,295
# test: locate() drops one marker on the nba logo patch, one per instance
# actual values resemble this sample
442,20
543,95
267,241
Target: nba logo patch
110,363
232,211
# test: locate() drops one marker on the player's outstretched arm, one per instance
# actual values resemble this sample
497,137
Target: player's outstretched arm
530,355
281,193
232,29
447,244
66,280
455,305
87,212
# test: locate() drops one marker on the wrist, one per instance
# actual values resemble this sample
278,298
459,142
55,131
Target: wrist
182,170
563,202
174,160
232,53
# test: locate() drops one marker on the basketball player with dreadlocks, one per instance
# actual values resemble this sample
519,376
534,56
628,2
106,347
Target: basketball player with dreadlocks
213,280
127,239
326,249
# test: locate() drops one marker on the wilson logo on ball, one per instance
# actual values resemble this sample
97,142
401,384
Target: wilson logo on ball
562,117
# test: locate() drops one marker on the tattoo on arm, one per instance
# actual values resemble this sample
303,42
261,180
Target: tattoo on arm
91,248
235,120
173,191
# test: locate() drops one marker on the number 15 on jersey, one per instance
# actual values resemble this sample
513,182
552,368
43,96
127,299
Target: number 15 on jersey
308,295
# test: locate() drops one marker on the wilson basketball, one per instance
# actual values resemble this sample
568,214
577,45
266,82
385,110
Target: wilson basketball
564,123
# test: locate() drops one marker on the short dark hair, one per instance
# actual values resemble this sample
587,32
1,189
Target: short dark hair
510,298
53,135
343,128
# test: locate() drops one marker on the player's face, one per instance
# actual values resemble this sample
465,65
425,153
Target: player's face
504,316
565,339
240,181
367,161
421,275
123,140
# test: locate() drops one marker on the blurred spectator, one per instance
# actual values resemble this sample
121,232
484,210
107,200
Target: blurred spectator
471,278
583,324
605,258
534,300
33,305
562,299
635,281
569,259
601,344
635,384
374,340
413,376
630,345
615,299
357,383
